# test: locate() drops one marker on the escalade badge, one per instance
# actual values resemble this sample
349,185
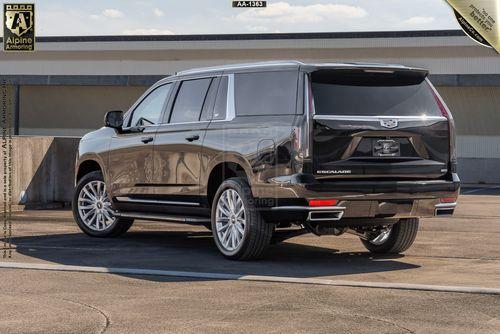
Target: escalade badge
389,123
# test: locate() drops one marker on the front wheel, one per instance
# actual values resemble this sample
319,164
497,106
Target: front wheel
394,239
238,228
92,208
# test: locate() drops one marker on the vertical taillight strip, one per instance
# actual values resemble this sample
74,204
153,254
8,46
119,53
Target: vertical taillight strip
308,109
451,126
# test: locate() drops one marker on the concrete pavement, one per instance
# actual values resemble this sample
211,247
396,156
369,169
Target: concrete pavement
459,251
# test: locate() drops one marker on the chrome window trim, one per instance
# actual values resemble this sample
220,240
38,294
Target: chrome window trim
231,103
181,123
377,118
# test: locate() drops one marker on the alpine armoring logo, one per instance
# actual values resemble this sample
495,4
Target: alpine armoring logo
19,27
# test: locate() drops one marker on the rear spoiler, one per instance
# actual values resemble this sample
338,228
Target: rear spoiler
370,76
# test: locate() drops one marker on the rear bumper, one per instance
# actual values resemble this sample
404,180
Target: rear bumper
362,199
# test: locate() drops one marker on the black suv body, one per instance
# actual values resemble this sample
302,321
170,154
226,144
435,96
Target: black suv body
275,149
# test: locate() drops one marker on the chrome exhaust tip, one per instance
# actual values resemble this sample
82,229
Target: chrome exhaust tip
444,209
326,215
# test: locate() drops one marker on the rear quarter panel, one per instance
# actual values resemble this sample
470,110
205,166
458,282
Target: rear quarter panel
260,144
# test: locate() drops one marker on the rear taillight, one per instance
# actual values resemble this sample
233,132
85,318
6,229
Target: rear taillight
448,199
301,133
310,99
451,128
323,202
440,104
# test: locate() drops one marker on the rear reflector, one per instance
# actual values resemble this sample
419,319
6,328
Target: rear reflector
448,200
323,202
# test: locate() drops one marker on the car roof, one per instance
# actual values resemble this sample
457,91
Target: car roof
292,64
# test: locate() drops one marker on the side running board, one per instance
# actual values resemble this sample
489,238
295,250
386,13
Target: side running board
163,217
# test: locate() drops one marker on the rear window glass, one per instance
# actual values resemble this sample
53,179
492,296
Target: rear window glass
406,100
266,93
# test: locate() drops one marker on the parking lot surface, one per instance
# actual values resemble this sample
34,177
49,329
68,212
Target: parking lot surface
458,252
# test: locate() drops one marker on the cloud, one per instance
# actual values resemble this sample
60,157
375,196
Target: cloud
283,12
94,17
146,31
257,28
112,13
158,12
419,20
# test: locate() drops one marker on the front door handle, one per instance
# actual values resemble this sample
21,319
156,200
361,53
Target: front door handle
193,138
146,140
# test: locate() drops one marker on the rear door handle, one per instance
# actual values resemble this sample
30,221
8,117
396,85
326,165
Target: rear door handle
146,140
193,138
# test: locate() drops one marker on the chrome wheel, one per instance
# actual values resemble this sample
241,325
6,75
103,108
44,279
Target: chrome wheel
230,220
380,238
94,206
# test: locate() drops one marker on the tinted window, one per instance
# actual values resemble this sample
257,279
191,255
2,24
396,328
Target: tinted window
407,100
149,110
189,101
266,93
221,101
208,106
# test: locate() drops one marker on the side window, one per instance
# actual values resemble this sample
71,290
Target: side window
149,110
266,93
221,100
189,100
208,106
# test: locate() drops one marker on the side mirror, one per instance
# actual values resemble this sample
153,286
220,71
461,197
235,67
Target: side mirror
114,119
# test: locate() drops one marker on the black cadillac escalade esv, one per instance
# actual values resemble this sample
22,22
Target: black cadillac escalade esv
273,150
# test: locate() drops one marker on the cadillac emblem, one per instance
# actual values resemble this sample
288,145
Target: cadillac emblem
389,123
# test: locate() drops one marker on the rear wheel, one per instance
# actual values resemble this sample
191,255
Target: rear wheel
92,208
238,228
394,239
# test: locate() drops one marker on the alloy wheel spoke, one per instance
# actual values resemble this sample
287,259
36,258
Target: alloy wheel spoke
89,195
224,211
229,201
91,211
222,227
240,228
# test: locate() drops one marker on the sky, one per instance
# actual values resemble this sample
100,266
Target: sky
150,17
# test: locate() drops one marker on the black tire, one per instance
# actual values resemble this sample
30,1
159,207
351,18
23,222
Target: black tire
117,228
258,233
401,237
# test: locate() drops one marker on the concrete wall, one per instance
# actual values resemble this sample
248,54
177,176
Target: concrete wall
43,168
476,111
70,110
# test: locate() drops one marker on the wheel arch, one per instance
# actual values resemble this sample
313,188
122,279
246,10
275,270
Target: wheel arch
220,172
87,166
